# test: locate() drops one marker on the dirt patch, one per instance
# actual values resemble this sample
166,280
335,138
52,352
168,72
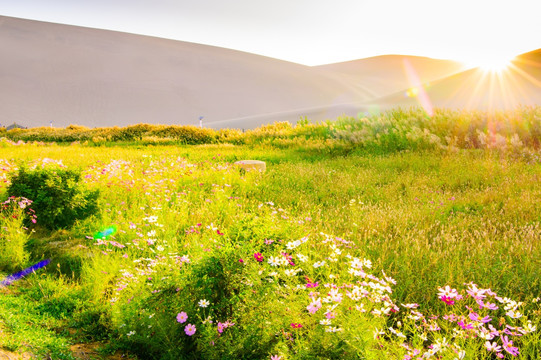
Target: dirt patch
79,351
85,351
90,352
7,355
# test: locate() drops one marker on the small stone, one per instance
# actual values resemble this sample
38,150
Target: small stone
252,165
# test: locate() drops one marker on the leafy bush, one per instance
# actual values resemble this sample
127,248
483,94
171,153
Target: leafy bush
58,196
12,235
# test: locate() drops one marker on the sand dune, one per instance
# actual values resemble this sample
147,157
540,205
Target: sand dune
383,75
76,75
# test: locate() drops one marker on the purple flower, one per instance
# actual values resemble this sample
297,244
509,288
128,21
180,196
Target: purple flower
223,326
190,329
182,317
508,346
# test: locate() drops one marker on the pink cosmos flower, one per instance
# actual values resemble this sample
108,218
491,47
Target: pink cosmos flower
447,300
493,346
276,357
329,315
225,325
288,258
508,346
190,329
314,306
296,325
491,306
463,325
476,317
182,317
258,257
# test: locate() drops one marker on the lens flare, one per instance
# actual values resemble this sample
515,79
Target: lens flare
417,88
105,233
412,92
14,277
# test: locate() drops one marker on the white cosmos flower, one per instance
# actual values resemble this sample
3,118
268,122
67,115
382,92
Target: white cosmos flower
302,257
290,272
273,261
325,322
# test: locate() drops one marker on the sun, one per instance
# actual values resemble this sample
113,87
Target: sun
493,63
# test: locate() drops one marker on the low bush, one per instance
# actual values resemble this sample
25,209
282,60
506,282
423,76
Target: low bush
59,198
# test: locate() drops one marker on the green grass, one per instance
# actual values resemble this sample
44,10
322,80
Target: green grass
28,324
426,218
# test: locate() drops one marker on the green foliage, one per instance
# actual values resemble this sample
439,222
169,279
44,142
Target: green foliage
388,132
13,237
26,326
59,198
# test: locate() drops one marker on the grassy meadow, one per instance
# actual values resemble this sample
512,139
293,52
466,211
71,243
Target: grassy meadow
391,237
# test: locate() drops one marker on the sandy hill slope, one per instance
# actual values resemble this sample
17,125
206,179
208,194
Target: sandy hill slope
75,75
386,74
476,89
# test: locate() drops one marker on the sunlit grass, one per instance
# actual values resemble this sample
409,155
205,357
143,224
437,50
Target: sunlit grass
189,227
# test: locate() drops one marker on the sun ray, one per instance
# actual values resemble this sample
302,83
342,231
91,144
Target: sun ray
527,76
517,86
479,83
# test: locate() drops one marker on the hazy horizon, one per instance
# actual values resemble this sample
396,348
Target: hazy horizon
313,33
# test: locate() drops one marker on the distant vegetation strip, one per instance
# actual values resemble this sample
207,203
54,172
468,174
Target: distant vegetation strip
395,130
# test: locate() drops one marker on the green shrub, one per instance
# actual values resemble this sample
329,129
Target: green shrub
13,238
58,196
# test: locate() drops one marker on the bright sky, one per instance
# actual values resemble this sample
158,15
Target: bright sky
314,32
